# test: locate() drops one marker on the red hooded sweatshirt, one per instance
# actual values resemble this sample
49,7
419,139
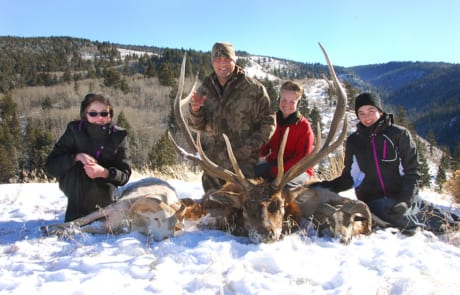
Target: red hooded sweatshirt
298,145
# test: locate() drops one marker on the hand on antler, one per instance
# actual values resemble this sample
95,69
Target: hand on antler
197,101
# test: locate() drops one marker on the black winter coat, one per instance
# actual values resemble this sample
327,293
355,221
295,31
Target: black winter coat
108,145
397,158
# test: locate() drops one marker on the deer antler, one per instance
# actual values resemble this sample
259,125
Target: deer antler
319,153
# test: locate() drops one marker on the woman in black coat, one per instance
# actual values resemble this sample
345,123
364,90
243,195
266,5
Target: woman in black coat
90,159
381,163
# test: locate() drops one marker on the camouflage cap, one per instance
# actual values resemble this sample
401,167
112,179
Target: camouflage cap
225,49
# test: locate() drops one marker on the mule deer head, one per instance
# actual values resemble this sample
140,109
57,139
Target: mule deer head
344,220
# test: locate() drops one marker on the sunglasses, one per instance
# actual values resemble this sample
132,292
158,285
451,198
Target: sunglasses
102,114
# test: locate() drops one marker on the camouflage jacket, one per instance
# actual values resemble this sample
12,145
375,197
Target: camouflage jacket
241,110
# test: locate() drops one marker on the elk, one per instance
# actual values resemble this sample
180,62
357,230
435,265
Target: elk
149,206
259,208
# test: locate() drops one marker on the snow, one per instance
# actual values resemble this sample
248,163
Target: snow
127,52
202,261
260,67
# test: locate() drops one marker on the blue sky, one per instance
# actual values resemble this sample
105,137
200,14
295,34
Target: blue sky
354,32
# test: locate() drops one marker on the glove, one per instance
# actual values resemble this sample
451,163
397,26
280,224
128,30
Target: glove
399,209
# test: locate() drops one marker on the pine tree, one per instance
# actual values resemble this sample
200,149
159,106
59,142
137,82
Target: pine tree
162,153
425,177
272,93
133,141
8,166
172,124
431,140
315,119
10,140
39,143
445,159
401,117
112,78
303,106
166,75
351,93
457,156
123,122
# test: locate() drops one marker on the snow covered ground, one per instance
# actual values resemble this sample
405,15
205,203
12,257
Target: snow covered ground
199,261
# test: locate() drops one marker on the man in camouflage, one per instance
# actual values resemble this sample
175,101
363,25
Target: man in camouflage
230,102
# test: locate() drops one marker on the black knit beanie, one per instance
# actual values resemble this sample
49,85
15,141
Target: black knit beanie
369,99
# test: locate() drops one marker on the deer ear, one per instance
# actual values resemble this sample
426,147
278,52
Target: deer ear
227,198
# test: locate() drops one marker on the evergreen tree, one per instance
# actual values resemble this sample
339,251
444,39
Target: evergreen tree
272,94
10,139
457,156
431,140
401,117
123,122
133,142
9,117
126,68
445,159
112,78
162,153
166,75
39,143
303,106
440,177
171,119
47,104
442,168
315,119
67,76
124,87
351,93
425,177
8,166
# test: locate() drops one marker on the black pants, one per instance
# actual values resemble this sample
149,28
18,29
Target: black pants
84,195
421,214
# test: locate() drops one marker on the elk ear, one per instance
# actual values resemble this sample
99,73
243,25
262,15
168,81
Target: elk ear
292,194
227,198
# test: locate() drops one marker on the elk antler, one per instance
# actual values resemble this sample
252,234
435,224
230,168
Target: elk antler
319,153
206,164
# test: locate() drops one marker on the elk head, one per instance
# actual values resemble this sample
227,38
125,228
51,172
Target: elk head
264,205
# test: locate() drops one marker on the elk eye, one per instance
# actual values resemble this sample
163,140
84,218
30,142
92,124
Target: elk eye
274,206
